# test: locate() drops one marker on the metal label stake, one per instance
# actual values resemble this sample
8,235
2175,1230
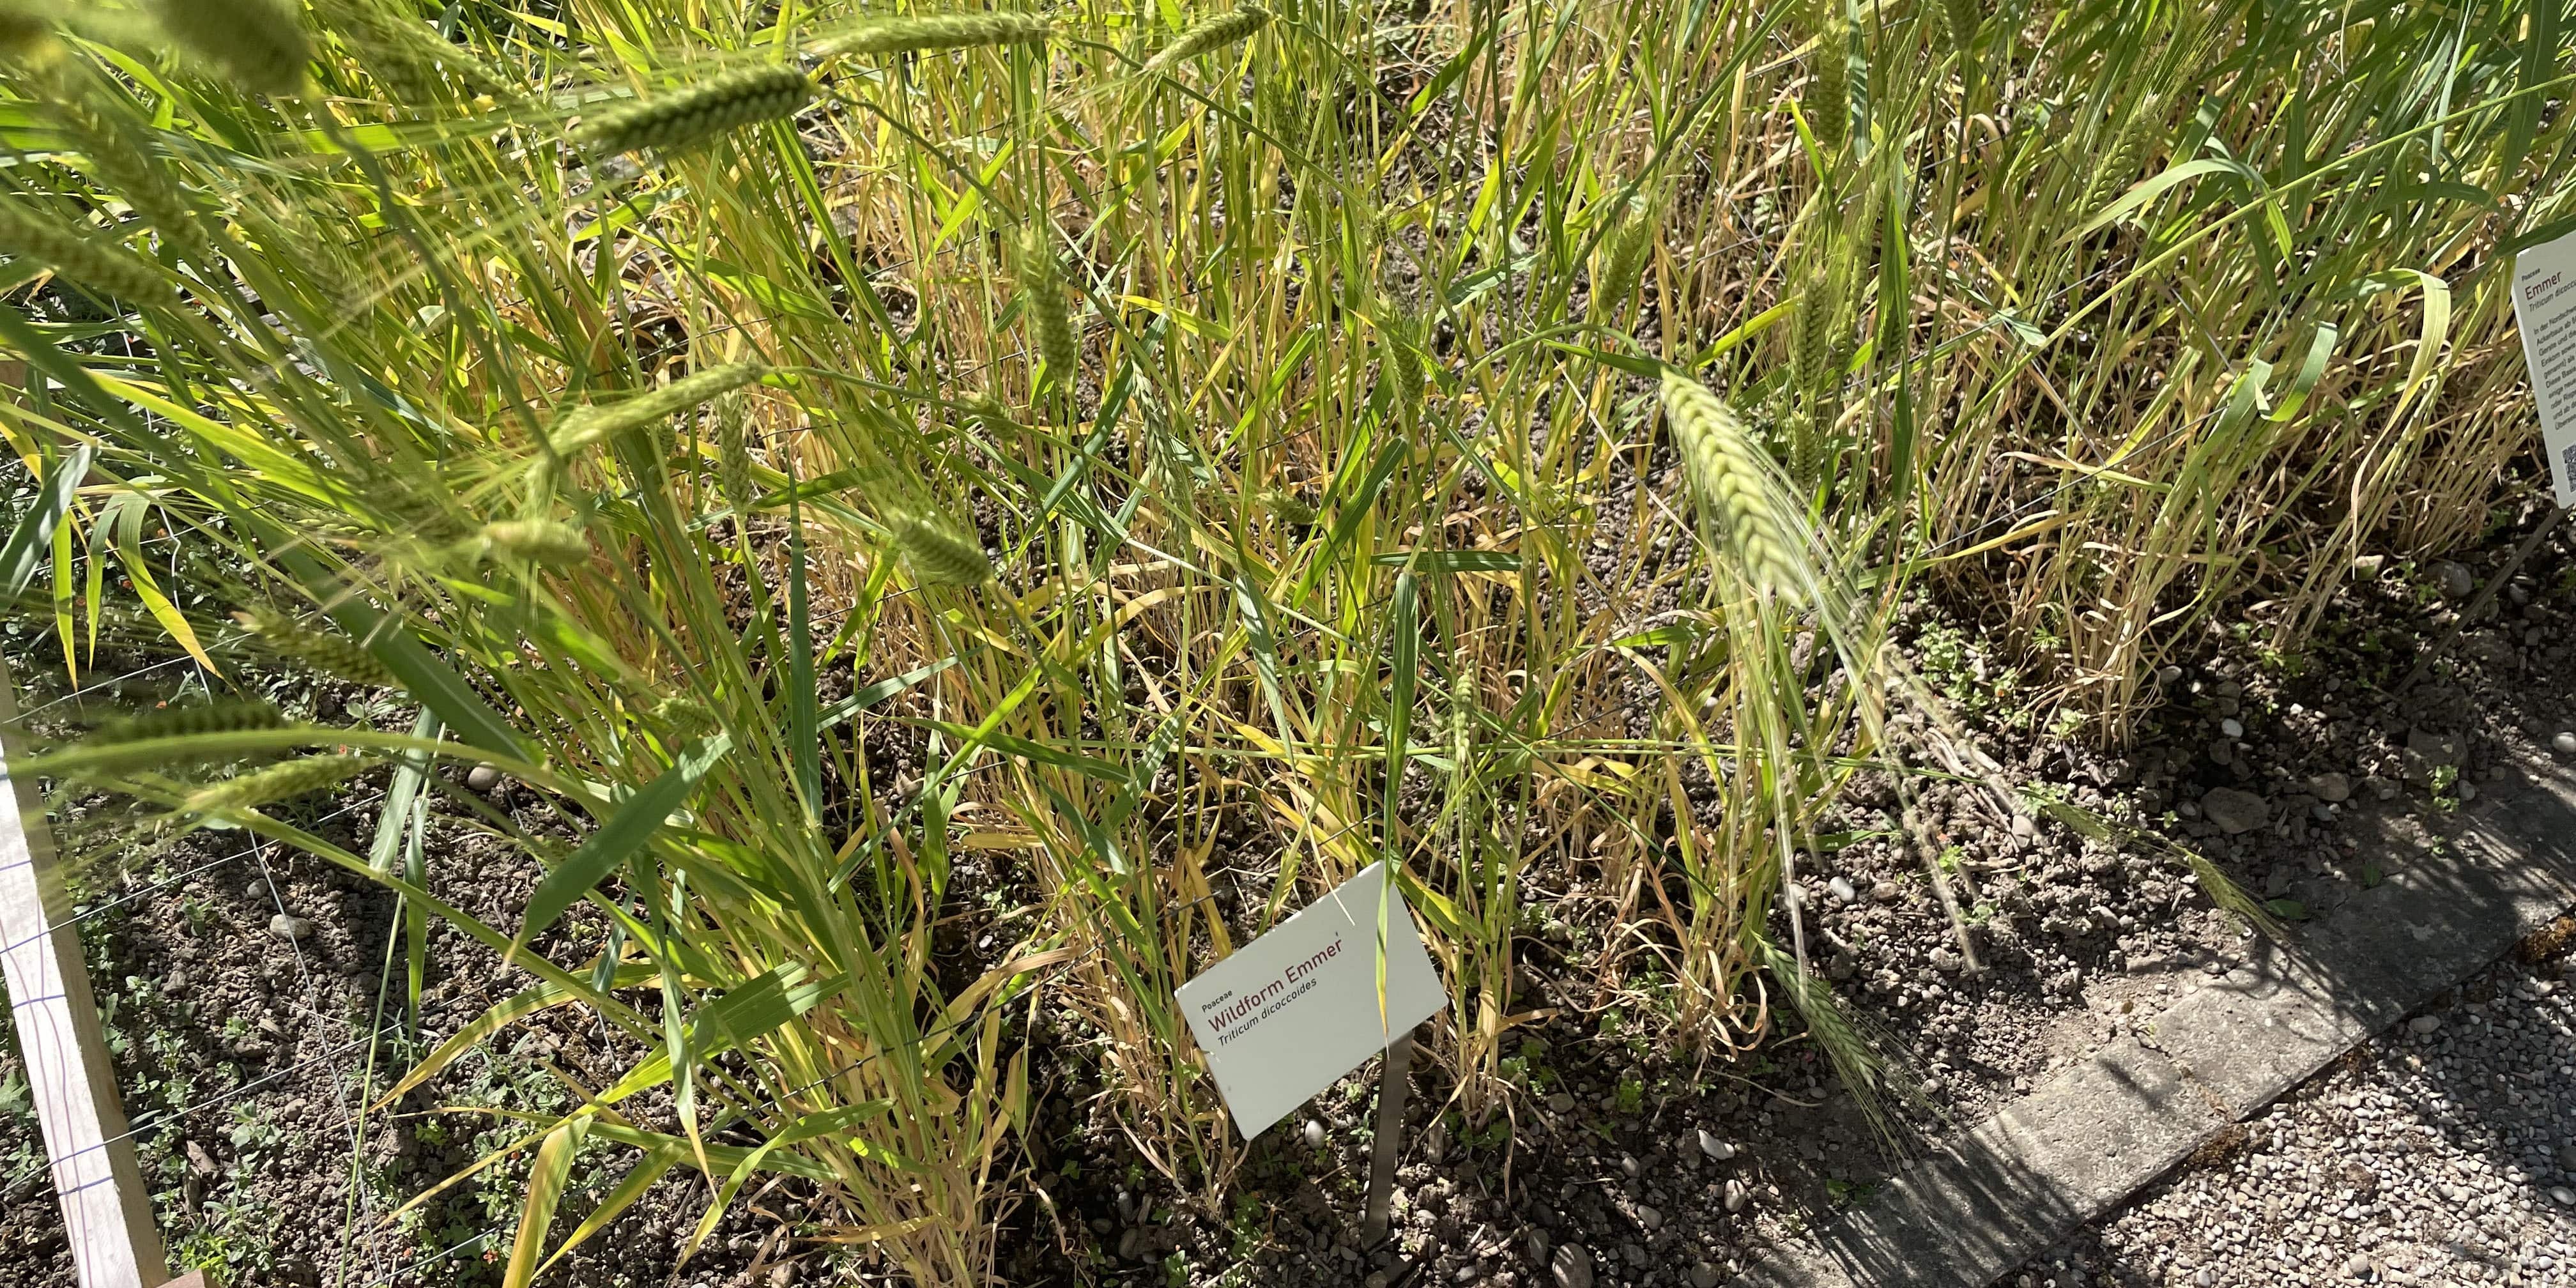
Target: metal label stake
1389,1144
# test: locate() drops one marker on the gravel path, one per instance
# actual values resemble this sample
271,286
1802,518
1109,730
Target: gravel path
2441,1153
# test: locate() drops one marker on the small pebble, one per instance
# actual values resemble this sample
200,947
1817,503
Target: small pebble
482,778
2562,1196
2231,728
1628,1163
1713,1147
1736,1195
1314,1134
2565,743
2423,1025
1705,1274
1571,1267
1842,890
2168,675
289,927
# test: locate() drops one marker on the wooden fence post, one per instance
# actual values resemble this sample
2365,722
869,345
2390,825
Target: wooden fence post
107,1211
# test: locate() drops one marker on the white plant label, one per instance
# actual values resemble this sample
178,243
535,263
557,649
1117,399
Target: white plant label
1292,1011
2544,310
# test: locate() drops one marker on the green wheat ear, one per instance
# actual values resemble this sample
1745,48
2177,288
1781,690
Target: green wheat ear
260,43
939,552
1207,36
21,27
1043,283
539,541
1857,1059
733,456
182,722
93,262
935,31
407,56
274,783
591,424
1831,86
1628,246
1287,507
1732,478
1398,338
670,121
336,655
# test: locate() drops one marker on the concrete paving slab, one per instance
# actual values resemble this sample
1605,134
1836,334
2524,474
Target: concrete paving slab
2085,1140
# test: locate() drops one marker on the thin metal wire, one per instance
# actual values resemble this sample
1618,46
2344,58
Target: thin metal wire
166,883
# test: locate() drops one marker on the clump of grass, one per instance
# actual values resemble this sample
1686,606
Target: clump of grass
679,118
1272,276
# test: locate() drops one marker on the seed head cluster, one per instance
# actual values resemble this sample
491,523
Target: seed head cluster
1288,507
670,121
1629,243
733,457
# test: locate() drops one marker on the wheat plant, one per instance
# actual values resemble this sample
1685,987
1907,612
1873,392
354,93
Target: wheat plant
1144,464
